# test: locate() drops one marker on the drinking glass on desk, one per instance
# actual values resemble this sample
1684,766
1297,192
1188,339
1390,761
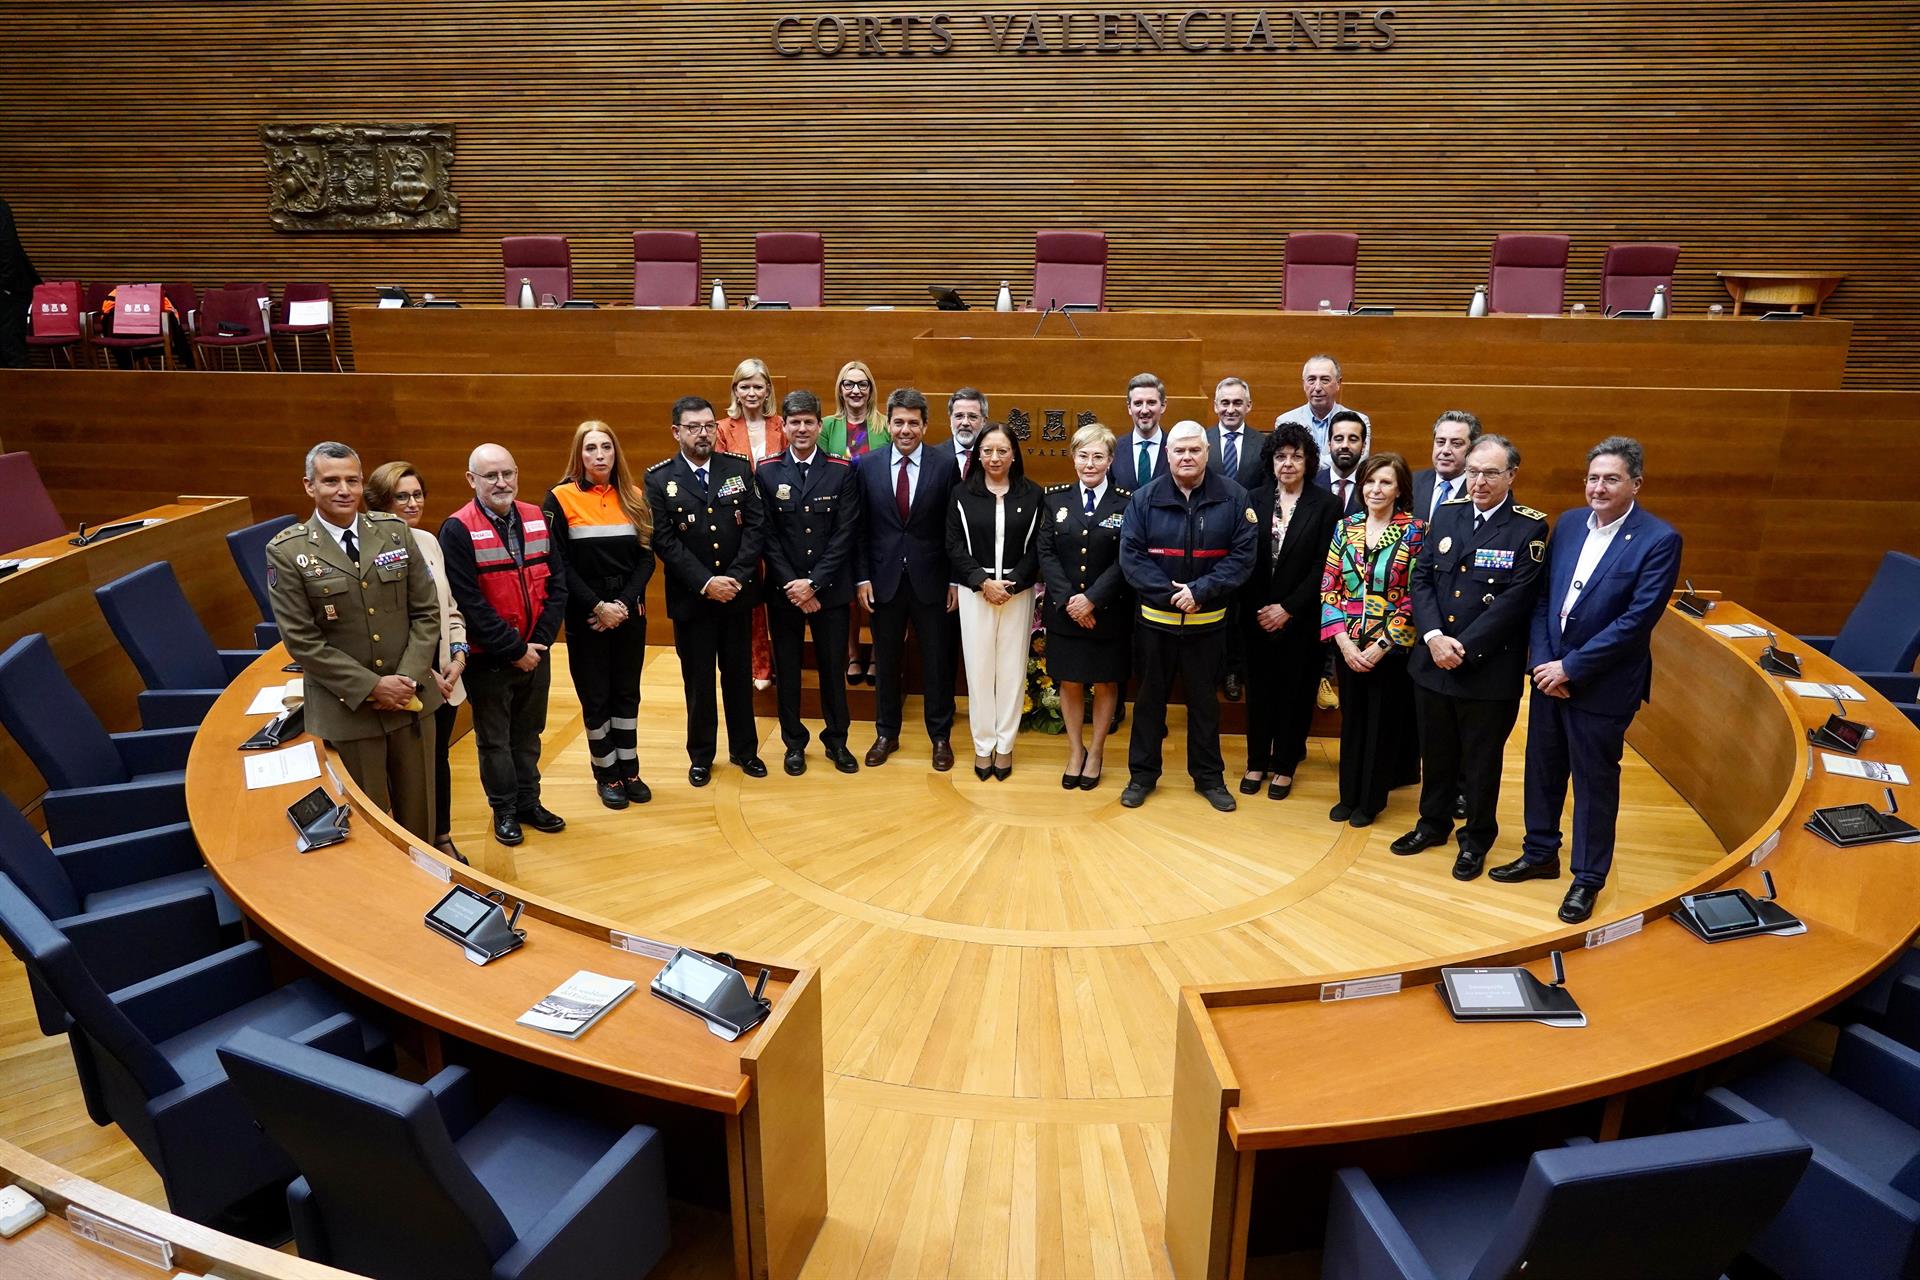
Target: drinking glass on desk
1579,310
1326,306
1715,311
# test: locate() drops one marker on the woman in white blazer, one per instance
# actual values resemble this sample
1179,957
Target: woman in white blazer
397,488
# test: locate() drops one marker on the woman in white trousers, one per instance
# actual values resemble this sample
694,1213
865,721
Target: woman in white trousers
991,547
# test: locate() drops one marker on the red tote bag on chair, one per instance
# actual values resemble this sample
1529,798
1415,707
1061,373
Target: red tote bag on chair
55,312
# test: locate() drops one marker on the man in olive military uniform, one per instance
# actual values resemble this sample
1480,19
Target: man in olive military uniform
707,532
359,613
1474,589
813,517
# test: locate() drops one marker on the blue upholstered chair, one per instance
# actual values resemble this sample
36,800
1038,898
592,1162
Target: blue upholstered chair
1678,1206
1890,1004
1857,1212
98,783
134,905
173,653
249,549
402,1180
1880,639
149,1050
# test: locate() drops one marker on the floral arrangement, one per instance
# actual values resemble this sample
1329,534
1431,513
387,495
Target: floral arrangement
1040,709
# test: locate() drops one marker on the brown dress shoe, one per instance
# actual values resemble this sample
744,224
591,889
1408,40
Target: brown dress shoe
882,748
942,756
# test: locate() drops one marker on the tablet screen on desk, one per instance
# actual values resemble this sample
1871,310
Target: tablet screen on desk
1721,912
461,910
692,978
1496,990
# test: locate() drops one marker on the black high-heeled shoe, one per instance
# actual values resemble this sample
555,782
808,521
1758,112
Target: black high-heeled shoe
1003,771
983,771
1251,786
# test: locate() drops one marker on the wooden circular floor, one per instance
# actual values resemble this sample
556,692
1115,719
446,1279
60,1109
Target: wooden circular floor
1000,960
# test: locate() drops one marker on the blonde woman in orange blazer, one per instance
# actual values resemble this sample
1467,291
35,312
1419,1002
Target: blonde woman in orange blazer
753,433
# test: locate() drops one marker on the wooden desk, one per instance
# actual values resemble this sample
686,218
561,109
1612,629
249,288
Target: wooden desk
807,348
1790,289
1271,1068
49,1249
56,599
353,912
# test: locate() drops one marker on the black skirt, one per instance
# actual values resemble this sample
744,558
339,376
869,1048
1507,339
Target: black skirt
1082,659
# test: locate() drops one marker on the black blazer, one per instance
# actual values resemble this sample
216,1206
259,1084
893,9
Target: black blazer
811,526
912,555
1126,452
1252,441
1480,588
1082,556
700,535
970,535
1423,481
1290,576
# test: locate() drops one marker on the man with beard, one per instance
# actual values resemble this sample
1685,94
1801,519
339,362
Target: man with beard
707,533
966,414
1346,446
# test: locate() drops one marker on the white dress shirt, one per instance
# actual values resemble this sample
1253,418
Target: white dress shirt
1456,488
1599,538
1153,443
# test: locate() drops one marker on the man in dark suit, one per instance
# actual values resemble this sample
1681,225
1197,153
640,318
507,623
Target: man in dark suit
1141,454
813,518
1473,595
1610,570
17,278
1454,433
708,529
1346,446
1233,449
901,567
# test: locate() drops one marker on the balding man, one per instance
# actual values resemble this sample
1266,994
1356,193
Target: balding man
504,571
1320,379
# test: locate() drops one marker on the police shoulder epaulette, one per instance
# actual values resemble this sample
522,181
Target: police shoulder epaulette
1454,502
840,458
297,529
731,454
1122,492
656,466
381,516
1528,512
1059,488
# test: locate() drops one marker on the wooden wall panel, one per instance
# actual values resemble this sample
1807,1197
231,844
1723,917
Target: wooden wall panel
1757,133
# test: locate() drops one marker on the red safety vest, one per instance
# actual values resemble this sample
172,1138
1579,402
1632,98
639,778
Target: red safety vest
516,593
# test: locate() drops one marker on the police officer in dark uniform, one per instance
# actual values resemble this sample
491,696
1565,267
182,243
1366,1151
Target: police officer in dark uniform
1474,588
1186,546
707,532
813,517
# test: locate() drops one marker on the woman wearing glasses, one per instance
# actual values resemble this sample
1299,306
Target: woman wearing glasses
396,487
855,430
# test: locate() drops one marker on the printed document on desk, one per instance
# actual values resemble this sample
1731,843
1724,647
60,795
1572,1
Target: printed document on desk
277,768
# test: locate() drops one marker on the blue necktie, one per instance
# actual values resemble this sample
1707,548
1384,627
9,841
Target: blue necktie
1440,494
1231,454
1089,493
700,478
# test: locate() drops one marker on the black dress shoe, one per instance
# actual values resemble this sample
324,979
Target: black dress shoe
796,762
1578,904
843,760
1360,818
1467,866
638,791
942,756
506,827
1220,798
1251,786
1417,840
699,774
1279,790
1521,869
611,794
1231,687
1089,781
882,748
1340,813
1135,795
541,818
752,766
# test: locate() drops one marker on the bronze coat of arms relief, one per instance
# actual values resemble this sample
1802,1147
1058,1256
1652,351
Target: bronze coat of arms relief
361,177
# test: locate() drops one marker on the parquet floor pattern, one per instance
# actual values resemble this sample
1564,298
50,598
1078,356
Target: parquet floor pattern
1000,959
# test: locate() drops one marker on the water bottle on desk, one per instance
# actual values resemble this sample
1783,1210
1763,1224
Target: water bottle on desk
1005,301
1478,307
718,299
526,293
1659,302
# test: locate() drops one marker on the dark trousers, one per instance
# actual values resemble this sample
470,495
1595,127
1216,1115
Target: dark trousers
605,666
1283,673
395,769
509,715
1376,731
722,635
1199,657
934,631
1563,739
443,769
787,629
1462,742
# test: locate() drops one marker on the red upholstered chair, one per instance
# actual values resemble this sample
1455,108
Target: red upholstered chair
666,268
1632,272
1069,269
1528,273
790,267
55,321
546,262
27,513
234,319
1320,266
284,326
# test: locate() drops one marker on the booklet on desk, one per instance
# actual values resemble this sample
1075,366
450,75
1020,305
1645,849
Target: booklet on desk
1510,995
576,1004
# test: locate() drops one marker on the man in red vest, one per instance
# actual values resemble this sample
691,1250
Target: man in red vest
504,572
